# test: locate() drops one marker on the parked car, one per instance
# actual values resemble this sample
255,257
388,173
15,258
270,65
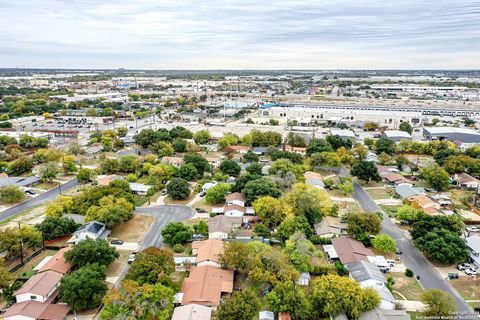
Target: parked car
398,251
470,272
463,266
202,194
453,275
391,262
116,242
472,229
132,257
163,193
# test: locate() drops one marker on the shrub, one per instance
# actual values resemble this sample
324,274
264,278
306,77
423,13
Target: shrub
409,273
178,248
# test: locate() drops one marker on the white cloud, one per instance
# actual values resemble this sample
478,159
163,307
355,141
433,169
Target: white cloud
224,34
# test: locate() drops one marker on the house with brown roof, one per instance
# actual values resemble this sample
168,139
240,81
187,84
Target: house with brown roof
208,252
395,178
214,161
466,181
219,227
235,198
423,202
300,150
174,161
192,312
205,286
237,149
350,250
57,263
39,287
34,310
234,210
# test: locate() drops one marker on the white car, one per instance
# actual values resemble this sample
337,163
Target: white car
132,257
472,229
471,272
391,262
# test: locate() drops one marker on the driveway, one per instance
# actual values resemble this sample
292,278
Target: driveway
412,258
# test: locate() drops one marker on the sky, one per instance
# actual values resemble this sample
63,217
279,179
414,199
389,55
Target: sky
240,34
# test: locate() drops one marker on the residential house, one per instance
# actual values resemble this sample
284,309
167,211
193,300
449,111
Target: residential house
19,181
34,310
192,312
205,286
372,157
395,178
266,315
94,150
343,133
423,202
350,250
208,252
219,227
93,230
379,314
406,190
304,279
40,287
473,244
260,151
209,185
104,180
330,252
214,161
300,150
284,316
235,198
57,263
369,276
174,161
465,181
210,147
139,188
234,210
330,227
237,149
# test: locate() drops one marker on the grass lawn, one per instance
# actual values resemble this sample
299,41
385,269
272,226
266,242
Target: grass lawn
378,194
169,200
467,287
373,184
202,205
390,210
133,229
408,287
46,185
337,193
413,314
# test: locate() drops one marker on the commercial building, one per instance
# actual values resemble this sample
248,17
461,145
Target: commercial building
462,135
396,135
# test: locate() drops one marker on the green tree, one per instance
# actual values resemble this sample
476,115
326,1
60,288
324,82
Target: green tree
346,185
295,140
337,142
363,224
48,172
54,227
217,193
176,232
86,175
330,159
300,251
188,172
142,302
405,126
285,297
230,167
19,166
438,302
91,251
201,137
128,164
408,213
258,188
250,157
178,189
111,211
201,228
152,265
11,194
109,166
317,146
437,177
179,145
385,145
198,161
241,306
271,210
254,168
366,171
309,201
292,224
237,255
227,140
384,243
332,295
84,288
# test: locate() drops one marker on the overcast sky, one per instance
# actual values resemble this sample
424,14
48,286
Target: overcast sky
240,34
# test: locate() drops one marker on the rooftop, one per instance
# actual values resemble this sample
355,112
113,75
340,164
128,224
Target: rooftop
350,250
223,223
41,284
38,310
192,312
57,263
209,250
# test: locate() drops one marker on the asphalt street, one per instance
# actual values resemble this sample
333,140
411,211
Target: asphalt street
40,199
164,214
412,258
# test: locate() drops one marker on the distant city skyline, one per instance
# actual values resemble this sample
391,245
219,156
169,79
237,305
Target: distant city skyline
236,34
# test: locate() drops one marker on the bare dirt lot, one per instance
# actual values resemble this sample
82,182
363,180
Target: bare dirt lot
134,229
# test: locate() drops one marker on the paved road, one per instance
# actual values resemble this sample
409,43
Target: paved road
40,199
412,258
164,214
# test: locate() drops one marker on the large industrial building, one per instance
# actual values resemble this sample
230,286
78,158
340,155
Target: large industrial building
463,135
